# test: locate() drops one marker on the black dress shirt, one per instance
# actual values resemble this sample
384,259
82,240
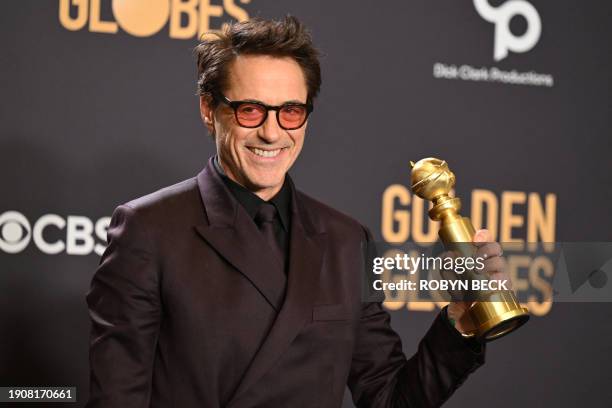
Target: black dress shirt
251,203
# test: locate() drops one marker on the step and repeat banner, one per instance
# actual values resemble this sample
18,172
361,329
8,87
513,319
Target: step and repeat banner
100,107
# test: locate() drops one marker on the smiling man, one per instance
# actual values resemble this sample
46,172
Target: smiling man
258,152
235,289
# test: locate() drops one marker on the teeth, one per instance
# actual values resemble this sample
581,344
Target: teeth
266,153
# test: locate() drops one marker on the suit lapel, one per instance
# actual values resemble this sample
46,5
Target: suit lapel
234,235
307,247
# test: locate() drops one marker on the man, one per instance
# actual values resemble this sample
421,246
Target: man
234,289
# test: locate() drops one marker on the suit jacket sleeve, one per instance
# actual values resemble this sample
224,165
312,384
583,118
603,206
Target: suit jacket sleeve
124,306
381,376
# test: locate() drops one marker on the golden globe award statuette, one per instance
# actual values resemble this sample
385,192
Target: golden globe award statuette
494,313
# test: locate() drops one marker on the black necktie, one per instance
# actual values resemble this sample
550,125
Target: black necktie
265,222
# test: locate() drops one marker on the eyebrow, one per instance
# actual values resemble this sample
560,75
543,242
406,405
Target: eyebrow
292,101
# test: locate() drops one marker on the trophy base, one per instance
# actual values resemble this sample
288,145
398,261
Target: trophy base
499,315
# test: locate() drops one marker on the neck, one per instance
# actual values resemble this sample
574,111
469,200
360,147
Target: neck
267,194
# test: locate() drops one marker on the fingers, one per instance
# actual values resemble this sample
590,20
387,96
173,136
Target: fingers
482,237
489,250
493,261
495,265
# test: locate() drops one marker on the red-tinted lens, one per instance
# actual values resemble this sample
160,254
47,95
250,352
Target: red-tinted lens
292,116
250,114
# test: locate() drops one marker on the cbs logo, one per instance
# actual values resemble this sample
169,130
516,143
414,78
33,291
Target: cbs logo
16,233
504,39
143,18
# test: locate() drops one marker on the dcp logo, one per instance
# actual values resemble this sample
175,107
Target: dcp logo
504,39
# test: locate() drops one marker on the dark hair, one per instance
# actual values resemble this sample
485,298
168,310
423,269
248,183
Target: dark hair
283,38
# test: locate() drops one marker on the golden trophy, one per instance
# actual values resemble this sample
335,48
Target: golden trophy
493,313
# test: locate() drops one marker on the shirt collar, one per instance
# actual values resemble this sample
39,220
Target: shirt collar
251,201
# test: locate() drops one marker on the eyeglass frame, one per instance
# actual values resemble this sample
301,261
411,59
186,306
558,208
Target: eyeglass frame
236,104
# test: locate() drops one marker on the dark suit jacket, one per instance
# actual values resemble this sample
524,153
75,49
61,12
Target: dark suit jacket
188,311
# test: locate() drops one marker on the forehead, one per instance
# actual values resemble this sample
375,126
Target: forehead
269,79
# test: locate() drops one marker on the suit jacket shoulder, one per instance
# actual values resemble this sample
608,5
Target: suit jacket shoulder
177,194
179,203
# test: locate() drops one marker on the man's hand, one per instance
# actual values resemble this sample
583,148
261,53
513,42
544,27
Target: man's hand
494,267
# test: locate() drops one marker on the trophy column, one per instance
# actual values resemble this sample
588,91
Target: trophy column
494,313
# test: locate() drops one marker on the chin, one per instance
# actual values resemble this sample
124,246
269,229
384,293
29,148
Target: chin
267,181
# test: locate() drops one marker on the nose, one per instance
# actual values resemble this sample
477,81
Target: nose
270,130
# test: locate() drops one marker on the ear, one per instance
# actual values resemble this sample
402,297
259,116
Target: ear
207,113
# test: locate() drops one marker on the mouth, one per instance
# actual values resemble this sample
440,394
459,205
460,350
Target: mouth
267,153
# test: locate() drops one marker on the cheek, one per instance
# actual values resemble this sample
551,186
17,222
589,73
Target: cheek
239,135
298,139
230,140
223,144
297,135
